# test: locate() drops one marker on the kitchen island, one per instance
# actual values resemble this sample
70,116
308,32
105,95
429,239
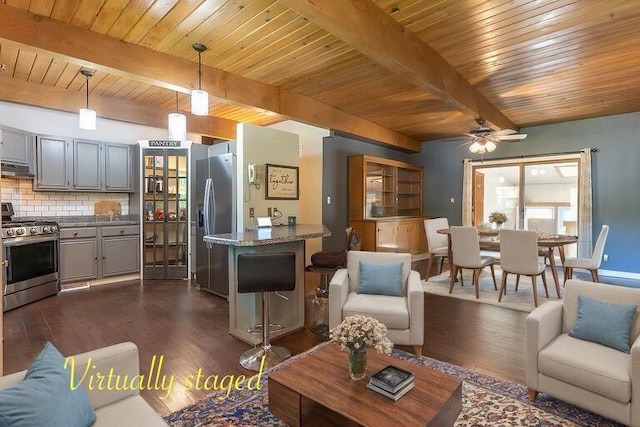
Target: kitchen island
245,309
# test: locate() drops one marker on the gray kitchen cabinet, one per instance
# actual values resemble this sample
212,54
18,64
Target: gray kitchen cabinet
52,163
120,250
78,254
87,166
17,146
88,253
82,165
118,169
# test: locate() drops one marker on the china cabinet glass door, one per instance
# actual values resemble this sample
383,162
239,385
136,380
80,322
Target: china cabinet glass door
165,213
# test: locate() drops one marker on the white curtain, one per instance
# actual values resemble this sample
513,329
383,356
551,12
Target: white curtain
585,240
467,193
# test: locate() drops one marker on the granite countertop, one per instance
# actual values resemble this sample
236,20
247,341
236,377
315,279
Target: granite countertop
269,236
86,221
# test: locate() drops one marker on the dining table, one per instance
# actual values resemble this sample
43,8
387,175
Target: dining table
489,240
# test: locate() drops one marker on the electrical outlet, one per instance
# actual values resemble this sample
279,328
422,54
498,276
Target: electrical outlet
251,213
605,257
269,212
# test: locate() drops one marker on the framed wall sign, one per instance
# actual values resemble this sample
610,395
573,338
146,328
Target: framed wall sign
282,182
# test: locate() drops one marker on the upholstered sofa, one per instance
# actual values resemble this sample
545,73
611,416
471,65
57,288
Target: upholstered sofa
113,408
588,374
403,315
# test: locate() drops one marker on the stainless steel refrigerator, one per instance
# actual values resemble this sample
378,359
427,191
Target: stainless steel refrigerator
215,198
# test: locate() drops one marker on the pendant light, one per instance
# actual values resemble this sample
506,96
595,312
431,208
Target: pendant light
177,124
199,98
87,116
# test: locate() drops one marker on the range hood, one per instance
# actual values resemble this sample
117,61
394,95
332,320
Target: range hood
9,170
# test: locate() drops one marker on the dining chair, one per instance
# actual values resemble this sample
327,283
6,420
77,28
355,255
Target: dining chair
465,249
519,255
592,264
437,243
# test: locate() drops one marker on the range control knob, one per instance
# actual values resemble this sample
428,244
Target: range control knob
54,228
20,231
10,232
33,230
46,229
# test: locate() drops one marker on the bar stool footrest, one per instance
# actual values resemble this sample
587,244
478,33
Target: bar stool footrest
257,329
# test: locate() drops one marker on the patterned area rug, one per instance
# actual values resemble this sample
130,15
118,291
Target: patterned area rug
521,300
487,401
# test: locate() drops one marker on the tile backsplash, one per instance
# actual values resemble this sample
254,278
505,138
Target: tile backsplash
27,202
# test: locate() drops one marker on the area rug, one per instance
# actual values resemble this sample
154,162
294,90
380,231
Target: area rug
521,300
486,401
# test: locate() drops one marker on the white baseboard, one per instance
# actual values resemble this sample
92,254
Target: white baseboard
620,274
99,282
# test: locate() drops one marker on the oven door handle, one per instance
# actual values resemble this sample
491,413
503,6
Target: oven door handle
21,241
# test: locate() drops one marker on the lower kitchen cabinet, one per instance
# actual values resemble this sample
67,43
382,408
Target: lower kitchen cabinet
88,253
78,254
120,250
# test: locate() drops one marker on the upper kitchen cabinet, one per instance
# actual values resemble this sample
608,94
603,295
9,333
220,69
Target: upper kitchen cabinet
118,171
52,164
17,146
81,165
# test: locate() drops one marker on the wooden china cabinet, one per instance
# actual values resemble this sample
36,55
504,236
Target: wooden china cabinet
385,204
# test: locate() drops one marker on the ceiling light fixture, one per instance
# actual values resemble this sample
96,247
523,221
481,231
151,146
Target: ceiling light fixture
482,145
177,124
87,118
199,98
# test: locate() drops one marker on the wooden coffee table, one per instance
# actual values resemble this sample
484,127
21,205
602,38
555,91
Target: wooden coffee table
317,390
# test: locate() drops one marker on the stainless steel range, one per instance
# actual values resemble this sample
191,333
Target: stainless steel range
30,260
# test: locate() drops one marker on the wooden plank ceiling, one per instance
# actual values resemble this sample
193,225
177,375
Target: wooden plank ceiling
396,71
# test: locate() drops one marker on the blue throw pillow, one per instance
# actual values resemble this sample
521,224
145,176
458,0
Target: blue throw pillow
380,279
44,397
605,323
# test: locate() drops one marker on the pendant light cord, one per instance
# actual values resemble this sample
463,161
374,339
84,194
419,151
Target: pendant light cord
177,110
199,70
87,92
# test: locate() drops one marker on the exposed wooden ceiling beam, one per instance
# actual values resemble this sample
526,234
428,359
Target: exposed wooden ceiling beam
23,29
366,27
13,90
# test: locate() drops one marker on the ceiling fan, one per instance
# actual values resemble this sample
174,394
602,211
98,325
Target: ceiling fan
484,139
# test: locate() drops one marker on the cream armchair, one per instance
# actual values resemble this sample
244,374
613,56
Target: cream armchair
590,375
402,315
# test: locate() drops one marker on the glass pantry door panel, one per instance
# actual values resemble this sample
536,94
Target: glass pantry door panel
166,204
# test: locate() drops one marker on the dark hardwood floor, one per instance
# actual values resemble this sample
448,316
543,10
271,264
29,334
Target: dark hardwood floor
190,328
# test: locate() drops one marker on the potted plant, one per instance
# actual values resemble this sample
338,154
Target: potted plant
498,218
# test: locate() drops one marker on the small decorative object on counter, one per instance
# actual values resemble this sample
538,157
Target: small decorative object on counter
292,220
357,334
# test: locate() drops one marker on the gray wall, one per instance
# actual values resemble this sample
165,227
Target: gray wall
615,167
335,183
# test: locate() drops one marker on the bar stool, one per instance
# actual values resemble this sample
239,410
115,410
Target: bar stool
265,273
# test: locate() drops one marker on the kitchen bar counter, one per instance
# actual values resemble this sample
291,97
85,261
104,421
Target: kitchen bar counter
269,236
245,309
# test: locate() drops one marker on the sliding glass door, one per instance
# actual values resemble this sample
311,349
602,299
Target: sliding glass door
534,195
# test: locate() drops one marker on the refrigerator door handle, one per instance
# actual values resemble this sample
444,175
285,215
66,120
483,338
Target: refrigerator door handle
207,206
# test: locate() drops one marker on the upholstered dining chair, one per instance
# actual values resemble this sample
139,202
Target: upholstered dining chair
519,255
437,243
592,264
465,250
383,286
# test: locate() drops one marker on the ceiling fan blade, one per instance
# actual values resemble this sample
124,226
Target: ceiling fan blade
516,137
505,132
464,143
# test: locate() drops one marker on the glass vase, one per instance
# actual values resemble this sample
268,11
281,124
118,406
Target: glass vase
357,363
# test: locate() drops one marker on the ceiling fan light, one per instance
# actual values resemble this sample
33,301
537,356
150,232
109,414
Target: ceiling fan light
475,147
199,102
87,119
490,146
177,127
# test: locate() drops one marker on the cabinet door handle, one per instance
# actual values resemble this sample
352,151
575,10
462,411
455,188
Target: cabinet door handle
122,231
96,258
104,257
75,234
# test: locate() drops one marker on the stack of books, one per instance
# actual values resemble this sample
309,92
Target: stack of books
392,382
